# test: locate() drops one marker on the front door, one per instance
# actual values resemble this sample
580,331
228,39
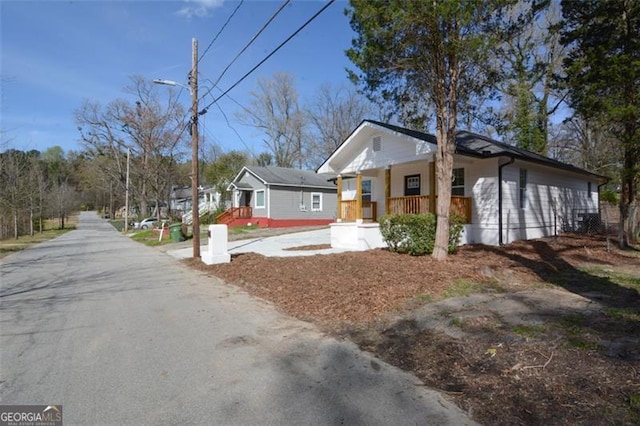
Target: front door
411,185
245,198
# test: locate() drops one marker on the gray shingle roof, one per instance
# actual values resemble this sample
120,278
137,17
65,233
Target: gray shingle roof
272,175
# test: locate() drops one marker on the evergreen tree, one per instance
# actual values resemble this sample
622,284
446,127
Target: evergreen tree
603,75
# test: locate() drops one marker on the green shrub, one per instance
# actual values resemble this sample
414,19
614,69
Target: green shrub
415,233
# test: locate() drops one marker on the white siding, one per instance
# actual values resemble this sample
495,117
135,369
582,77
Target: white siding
552,198
481,183
394,150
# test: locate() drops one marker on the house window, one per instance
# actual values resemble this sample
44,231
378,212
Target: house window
457,185
523,188
366,190
411,185
377,143
316,202
260,201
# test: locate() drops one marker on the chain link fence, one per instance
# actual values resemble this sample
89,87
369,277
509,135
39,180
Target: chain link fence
606,220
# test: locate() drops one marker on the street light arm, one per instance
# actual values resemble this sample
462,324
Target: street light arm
171,83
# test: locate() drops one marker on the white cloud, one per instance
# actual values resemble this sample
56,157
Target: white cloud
198,8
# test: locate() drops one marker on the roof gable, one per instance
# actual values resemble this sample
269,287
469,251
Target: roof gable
396,145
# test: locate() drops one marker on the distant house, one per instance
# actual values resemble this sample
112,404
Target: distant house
180,201
502,192
280,197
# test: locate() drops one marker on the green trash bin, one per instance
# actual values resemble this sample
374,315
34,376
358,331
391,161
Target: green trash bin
175,231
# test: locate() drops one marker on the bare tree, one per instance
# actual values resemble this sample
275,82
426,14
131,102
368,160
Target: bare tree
14,166
334,114
154,133
276,112
586,144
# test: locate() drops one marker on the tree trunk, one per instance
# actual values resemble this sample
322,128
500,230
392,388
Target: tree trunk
634,223
446,123
31,231
444,166
15,224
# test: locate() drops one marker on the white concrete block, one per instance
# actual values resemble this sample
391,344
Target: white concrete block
217,248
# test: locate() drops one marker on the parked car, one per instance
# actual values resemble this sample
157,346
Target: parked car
147,223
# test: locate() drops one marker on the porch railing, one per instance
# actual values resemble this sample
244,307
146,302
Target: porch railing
404,205
229,215
369,210
409,205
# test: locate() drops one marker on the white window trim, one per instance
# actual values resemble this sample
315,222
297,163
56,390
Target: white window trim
523,194
370,193
264,199
319,194
464,182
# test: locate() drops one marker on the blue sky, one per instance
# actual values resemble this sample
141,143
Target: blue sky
55,54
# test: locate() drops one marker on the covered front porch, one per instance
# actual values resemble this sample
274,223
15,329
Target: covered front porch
363,205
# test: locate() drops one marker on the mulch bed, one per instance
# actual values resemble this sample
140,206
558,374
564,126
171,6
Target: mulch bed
363,296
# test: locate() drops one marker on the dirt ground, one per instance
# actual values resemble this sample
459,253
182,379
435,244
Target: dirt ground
536,332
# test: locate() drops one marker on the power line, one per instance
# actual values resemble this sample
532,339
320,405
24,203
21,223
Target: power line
247,110
269,55
235,131
220,32
266,24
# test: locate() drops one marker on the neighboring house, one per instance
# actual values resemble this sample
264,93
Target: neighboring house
180,201
502,192
280,197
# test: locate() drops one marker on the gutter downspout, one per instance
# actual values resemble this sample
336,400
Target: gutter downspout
599,200
511,161
600,186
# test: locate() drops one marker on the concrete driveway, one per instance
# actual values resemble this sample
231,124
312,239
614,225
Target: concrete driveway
277,246
121,334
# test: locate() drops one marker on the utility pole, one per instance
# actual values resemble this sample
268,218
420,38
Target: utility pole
195,207
126,192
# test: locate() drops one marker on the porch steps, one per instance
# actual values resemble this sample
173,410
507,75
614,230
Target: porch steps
203,209
232,214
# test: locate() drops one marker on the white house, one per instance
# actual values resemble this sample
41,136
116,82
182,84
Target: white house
503,193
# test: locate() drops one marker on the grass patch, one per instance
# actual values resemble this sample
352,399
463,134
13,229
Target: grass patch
423,298
12,245
465,287
457,322
150,237
619,278
529,331
624,314
573,321
579,342
118,224
573,325
241,229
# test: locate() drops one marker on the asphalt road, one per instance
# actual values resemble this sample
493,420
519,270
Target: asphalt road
120,333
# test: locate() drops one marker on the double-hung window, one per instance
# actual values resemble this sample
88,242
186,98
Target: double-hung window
457,184
260,199
522,187
366,190
316,202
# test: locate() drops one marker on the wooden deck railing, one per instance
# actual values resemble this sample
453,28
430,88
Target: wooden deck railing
462,207
411,204
404,205
369,210
229,215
